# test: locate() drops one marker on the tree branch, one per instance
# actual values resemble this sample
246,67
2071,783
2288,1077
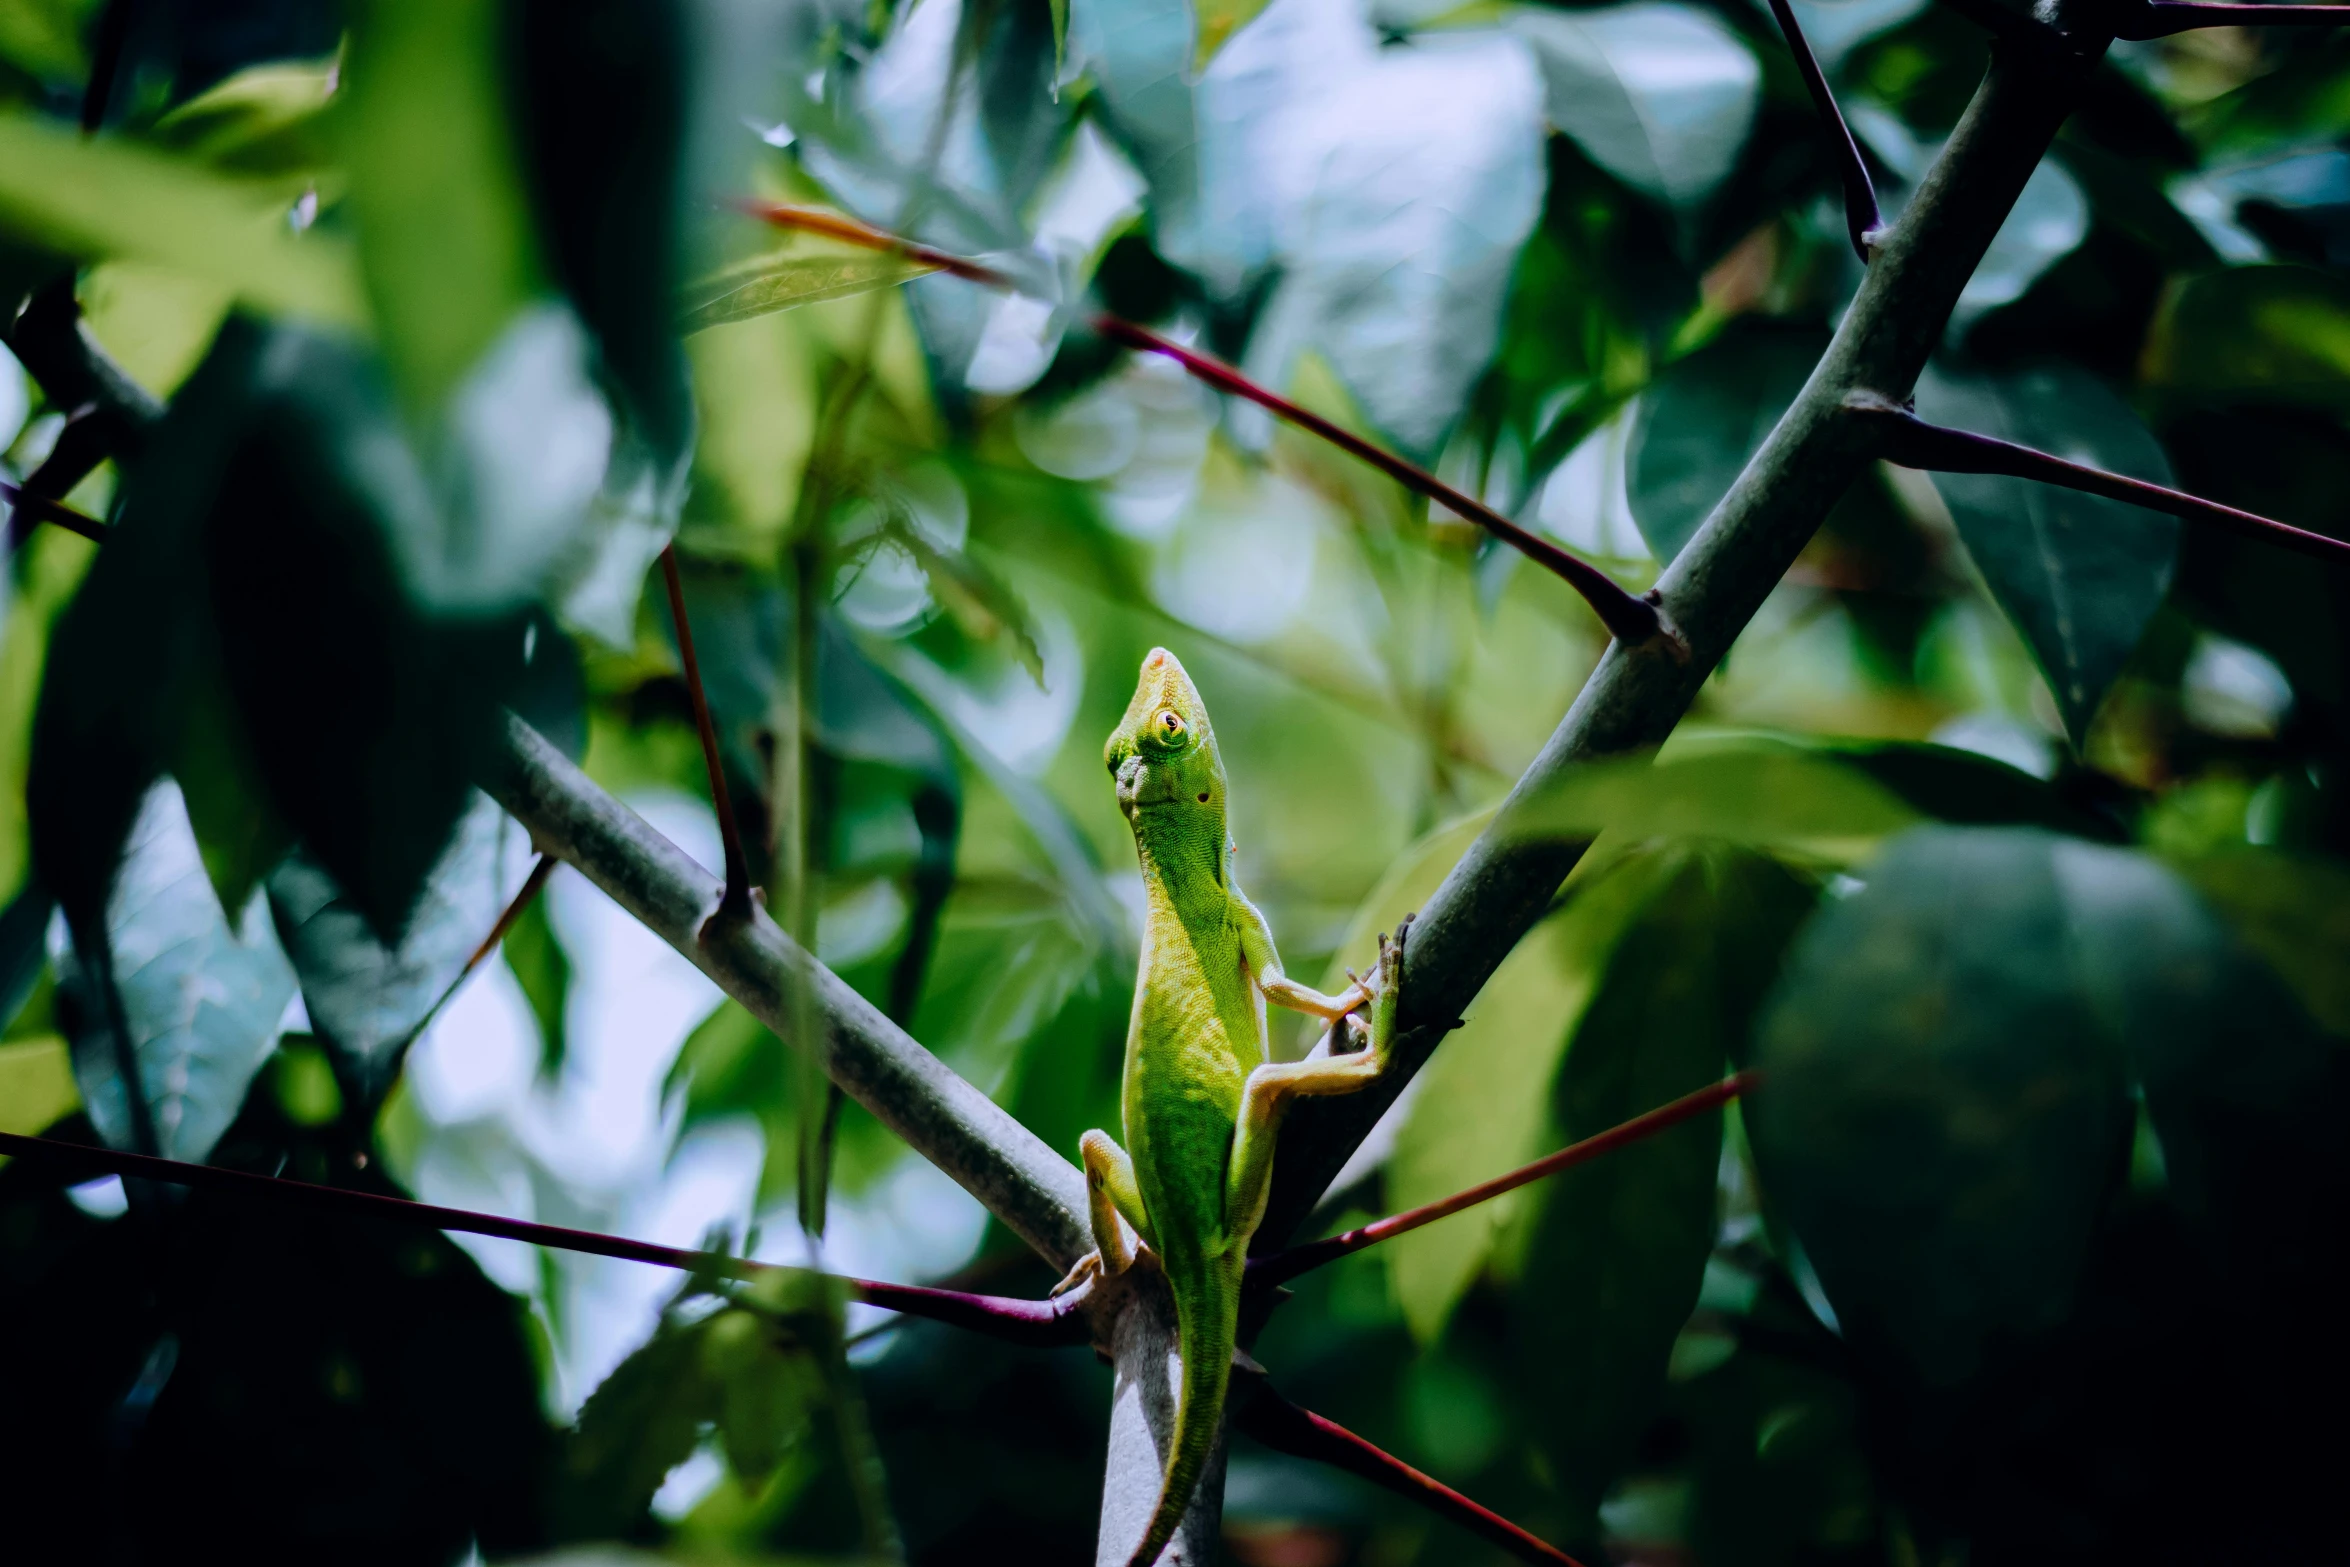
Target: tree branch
1862,221
1627,618
1505,881
1040,1195
1281,1267
1910,442
33,508
735,902
1040,1323
1285,1428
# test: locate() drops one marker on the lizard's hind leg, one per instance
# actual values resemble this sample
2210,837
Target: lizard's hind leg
1111,1194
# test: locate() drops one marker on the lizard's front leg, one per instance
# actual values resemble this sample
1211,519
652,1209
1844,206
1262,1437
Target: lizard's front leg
1111,1192
1266,1095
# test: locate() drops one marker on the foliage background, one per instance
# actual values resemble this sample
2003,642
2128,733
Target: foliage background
2043,1266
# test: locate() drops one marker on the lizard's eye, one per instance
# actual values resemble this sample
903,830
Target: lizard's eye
1170,725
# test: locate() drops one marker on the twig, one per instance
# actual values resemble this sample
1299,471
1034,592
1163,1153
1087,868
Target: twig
1286,1428
735,903
1910,442
2162,18
32,507
1031,1322
1282,1266
1628,618
1862,220
532,885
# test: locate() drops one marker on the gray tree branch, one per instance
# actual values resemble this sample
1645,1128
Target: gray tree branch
1506,880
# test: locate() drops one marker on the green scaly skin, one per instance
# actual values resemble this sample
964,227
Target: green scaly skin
1201,1100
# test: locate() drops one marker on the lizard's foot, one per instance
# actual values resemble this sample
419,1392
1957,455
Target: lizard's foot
1385,985
1088,1266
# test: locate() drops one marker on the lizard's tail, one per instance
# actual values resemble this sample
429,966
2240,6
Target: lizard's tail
1207,1325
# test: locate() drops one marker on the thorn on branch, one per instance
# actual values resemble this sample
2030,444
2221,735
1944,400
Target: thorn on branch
735,902
1286,1428
34,508
1629,619
1282,1266
1862,220
2162,18
1041,1323
1910,442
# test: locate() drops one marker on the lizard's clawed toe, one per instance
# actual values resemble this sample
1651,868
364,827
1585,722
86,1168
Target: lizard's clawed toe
1087,1267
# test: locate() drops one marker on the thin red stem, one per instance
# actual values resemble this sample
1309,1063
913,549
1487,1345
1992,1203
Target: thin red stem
1910,442
531,887
1034,1322
1628,618
2162,18
1284,1427
1861,218
736,901
1282,1266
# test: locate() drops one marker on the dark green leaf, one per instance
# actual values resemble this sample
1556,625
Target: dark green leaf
2295,912
1660,95
367,1001
1704,418
1944,1106
2275,336
2079,575
2246,1095
642,1421
202,997
24,949
544,972
1616,1258
603,90
268,120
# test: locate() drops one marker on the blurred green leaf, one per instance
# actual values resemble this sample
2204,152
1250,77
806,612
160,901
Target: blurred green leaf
36,1085
771,283
24,951
1945,1103
1614,1263
768,1388
436,189
1661,95
368,1001
2079,575
1702,420
266,120
201,997
642,1421
44,37
543,970
2273,336
1751,791
602,94
99,198
2294,911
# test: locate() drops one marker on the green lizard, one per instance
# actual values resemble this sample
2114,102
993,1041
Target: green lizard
1202,1100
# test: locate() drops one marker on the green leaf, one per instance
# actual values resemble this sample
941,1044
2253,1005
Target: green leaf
2294,910
100,198
265,120
1743,791
1615,1260
1482,1104
642,1421
543,970
1945,1105
769,1388
36,1085
436,189
602,93
202,998
2079,575
1660,95
43,37
368,1001
2267,336
770,283
2246,1096
1701,421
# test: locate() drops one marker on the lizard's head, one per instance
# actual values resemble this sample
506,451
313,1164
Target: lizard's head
1163,753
